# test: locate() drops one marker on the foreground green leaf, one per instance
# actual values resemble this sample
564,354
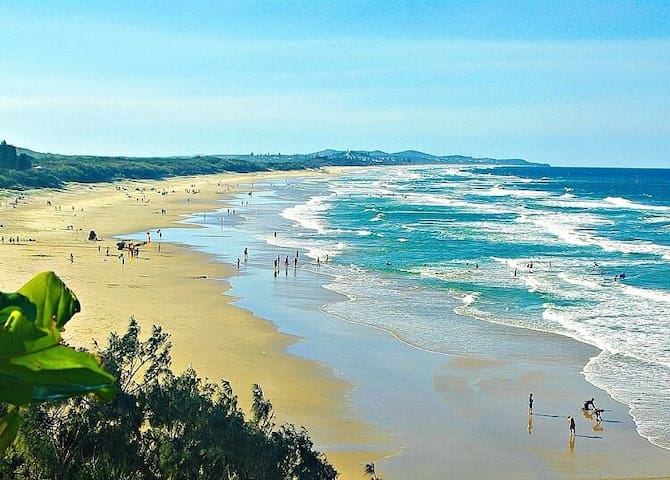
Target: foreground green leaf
34,366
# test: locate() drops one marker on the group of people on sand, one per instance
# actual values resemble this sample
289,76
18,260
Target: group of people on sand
16,239
589,410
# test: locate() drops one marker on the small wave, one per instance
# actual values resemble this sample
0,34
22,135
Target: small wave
625,378
532,283
581,282
568,326
657,295
323,251
501,191
557,228
470,298
572,229
624,203
308,214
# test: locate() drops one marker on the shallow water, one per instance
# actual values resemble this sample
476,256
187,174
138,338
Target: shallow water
449,258
411,246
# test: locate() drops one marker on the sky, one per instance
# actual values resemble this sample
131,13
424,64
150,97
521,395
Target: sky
567,83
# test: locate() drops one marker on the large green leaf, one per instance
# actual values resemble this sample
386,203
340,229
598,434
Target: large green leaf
54,302
33,364
35,315
56,372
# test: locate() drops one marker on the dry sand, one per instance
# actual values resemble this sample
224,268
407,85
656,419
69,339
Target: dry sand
176,288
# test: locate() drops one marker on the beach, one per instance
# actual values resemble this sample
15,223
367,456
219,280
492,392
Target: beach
363,395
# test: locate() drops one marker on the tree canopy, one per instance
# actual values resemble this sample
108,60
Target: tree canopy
160,425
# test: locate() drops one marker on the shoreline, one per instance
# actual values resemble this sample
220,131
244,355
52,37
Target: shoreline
161,286
623,436
466,395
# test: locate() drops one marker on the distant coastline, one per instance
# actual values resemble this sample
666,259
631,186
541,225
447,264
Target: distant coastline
23,168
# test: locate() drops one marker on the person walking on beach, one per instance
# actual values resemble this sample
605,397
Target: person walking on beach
571,423
530,404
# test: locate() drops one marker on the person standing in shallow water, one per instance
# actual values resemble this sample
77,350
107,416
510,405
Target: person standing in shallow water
571,423
530,404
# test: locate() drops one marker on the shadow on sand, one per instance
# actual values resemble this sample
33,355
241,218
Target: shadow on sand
547,415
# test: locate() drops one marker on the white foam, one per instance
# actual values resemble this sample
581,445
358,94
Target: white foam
644,386
470,298
321,250
308,214
657,295
502,191
557,228
579,281
570,327
574,229
623,203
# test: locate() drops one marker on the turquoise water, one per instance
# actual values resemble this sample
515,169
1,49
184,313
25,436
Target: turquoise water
412,246
442,256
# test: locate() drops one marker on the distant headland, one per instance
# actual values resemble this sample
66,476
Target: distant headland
21,168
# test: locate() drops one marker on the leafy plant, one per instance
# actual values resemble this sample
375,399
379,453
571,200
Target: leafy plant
159,426
34,365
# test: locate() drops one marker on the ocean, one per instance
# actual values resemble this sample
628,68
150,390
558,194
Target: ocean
437,254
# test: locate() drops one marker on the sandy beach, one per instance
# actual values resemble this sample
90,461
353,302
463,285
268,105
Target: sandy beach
467,419
172,287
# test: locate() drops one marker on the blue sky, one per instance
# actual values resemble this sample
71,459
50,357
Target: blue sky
568,83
